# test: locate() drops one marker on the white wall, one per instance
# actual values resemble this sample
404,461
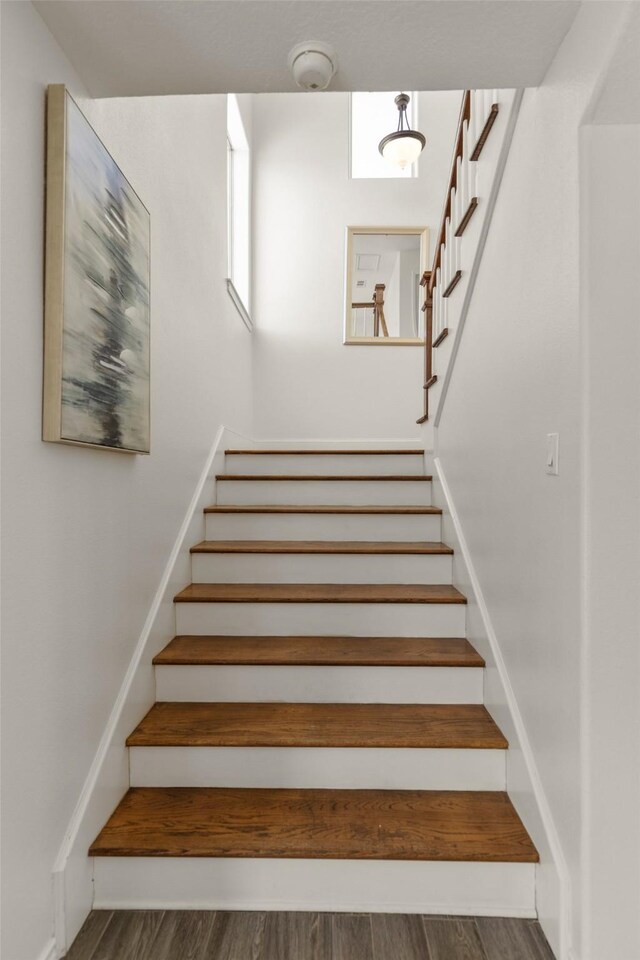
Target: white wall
610,667
86,533
409,269
517,378
611,651
308,382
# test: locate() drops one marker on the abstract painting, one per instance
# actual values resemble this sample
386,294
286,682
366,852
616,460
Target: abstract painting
96,363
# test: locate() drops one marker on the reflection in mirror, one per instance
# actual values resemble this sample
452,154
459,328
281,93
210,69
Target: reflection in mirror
384,296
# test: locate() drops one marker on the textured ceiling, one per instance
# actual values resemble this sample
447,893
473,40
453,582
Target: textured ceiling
146,47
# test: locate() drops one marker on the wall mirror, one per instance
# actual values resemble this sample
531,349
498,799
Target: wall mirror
383,294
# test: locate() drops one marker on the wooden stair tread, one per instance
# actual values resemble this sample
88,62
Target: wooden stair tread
420,478
320,593
426,547
325,452
318,508
316,651
270,724
328,824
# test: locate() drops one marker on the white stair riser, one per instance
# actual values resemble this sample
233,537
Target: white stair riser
319,568
319,526
357,768
375,464
381,886
313,619
319,684
361,492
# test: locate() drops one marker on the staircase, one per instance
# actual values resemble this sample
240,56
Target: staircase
319,739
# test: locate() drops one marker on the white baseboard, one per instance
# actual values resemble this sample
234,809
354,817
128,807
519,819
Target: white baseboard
108,776
553,872
49,951
471,909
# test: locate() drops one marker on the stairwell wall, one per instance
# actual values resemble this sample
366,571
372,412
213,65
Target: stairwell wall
310,385
610,666
86,533
517,377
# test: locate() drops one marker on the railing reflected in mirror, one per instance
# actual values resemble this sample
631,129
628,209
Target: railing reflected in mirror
384,267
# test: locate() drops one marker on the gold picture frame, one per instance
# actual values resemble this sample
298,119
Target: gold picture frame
384,231
96,384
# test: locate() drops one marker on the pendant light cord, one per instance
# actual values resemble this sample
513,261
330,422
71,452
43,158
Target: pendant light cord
402,111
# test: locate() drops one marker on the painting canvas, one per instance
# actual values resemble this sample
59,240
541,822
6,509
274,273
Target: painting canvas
96,367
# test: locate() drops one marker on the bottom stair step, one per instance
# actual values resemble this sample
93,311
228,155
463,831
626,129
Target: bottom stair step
325,824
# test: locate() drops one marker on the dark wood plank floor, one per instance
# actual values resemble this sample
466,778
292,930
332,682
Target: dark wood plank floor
204,935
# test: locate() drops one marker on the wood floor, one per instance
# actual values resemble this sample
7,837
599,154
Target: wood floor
210,935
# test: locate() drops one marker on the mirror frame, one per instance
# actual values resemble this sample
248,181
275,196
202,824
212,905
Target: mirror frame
423,233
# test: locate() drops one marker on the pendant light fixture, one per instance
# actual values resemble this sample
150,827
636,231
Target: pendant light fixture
403,147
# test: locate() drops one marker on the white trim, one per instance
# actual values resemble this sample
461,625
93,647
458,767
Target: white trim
49,951
110,736
482,240
512,704
59,901
329,906
338,444
239,305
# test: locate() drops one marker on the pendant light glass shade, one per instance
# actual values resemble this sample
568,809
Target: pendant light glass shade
403,147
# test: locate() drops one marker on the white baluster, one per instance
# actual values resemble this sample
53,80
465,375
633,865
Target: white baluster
434,312
464,199
447,254
454,254
476,117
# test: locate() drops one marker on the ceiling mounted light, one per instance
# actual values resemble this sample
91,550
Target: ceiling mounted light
312,64
403,147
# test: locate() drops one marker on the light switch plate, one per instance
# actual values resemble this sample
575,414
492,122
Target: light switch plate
552,454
